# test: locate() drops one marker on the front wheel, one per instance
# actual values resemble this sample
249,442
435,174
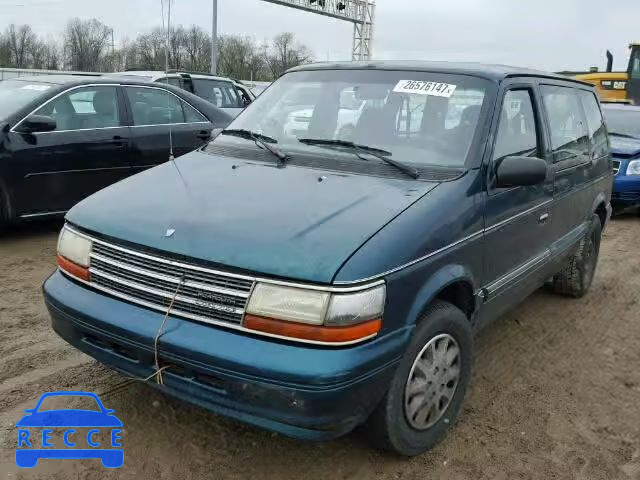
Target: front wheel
576,278
427,390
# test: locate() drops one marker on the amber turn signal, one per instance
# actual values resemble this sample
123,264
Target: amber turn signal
314,333
73,269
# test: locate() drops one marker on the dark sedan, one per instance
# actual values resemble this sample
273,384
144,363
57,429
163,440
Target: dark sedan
65,137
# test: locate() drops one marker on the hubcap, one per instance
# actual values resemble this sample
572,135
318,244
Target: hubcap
432,382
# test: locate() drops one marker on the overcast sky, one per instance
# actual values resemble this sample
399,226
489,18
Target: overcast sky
545,34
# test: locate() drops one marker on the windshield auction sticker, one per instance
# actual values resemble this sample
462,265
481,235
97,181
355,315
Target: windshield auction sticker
435,89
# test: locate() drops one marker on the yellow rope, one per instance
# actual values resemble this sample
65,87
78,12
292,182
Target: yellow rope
158,373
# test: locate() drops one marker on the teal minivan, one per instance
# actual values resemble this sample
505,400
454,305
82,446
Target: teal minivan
312,279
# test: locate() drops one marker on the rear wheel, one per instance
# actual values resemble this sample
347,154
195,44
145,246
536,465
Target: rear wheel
576,278
426,392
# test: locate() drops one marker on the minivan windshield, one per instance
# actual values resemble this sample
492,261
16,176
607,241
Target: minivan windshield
15,94
419,118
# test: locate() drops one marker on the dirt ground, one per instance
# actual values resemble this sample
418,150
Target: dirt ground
555,392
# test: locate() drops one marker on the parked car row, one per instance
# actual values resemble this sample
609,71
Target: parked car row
316,281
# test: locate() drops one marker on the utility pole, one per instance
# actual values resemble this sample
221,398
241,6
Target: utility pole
214,38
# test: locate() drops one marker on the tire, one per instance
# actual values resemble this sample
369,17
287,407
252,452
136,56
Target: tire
576,278
442,326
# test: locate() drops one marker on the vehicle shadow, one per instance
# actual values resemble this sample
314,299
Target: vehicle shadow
627,213
31,229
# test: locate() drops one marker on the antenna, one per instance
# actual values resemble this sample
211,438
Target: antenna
166,71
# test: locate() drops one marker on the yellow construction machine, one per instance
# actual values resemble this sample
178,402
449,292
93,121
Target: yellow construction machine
622,87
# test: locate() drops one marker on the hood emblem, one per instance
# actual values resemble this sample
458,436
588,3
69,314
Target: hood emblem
169,232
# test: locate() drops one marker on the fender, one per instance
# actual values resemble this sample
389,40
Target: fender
441,279
601,198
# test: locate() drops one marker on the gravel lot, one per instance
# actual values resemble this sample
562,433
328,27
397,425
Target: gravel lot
555,392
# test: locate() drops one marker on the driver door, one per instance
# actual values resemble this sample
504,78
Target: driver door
88,150
517,233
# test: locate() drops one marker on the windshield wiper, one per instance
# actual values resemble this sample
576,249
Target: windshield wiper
359,149
260,140
624,135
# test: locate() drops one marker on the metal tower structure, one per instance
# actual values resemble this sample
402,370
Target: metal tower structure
359,12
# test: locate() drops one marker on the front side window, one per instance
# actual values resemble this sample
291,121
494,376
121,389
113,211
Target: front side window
84,108
595,123
569,134
517,131
154,106
418,118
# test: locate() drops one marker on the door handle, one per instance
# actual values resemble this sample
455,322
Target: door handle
543,218
204,135
119,141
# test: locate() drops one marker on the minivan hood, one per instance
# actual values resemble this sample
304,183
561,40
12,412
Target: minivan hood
624,147
291,222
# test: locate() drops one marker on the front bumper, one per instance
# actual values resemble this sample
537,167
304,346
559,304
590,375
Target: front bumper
297,390
626,190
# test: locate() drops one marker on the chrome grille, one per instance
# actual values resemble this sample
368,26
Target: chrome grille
205,295
616,167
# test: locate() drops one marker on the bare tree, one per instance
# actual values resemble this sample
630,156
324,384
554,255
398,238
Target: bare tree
197,49
87,44
286,53
147,51
238,57
20,41
5,52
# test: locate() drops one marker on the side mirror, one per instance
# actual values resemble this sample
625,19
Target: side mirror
214,134
519,171
38,123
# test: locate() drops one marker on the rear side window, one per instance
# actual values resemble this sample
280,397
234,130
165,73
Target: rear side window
221,94
155,106
517,131
84,108
595,123
569,135
191,115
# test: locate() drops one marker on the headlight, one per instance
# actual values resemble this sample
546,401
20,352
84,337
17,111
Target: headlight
285,303
633,168
73,253
315,315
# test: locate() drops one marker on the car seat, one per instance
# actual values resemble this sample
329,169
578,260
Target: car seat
141,112
104,104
